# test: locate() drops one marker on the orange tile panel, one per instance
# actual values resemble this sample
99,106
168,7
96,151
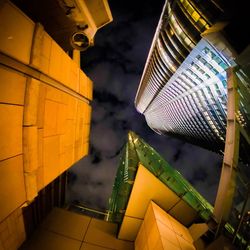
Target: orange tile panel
51,158
82,83
16,32
103,234
141,238
43,239
86,112
167,233
77,152
159,246
68,139
66,223
10,130
65,69
66,159
61,119
55,61
40,147
65,98
185,245
71,108
40,178
50,118
85,149
168,245
86,246
162,215
86,133
74,76
153,235
12,87
45,53
12,189
53,94
89,89
85,86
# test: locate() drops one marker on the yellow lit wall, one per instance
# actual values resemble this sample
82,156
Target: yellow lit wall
160,230
44,114
65,230
158,192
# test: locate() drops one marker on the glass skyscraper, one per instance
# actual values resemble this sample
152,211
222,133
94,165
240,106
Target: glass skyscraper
183,90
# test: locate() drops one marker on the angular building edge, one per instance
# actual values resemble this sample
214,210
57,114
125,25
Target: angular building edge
141,168
45,106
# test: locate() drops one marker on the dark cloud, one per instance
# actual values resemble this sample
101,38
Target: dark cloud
115,65
94,182
177,154
95,155
200,174
107,99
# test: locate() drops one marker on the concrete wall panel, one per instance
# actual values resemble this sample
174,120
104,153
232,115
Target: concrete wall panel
16,33
12,193
12,86
10,130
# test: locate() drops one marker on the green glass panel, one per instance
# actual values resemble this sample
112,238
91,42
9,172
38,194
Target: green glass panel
137,151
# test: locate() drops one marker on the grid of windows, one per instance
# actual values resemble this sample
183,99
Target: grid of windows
183,89
177,34
193,102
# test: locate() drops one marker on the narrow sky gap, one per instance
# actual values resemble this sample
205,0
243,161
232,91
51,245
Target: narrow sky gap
115,64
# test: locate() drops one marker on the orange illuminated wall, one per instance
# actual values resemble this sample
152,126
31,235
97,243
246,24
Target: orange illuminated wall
160,230
65,230
44,115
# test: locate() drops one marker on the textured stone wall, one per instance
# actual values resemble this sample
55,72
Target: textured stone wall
44,111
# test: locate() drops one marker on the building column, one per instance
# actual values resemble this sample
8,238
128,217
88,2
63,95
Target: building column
227,182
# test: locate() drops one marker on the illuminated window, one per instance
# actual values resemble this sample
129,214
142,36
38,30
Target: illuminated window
171,32
195,16
165,56
178,30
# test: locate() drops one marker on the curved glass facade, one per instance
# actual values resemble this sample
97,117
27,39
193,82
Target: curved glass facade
177,34
193,102
183,90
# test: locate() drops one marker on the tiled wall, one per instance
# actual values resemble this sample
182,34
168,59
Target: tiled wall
66,230
12,232
160,230
44,110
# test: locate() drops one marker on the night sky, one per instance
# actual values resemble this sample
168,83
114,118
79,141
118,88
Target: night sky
115,64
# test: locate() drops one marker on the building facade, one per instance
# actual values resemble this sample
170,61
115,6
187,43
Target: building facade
202,96
183,89
145,181
152,206
45,113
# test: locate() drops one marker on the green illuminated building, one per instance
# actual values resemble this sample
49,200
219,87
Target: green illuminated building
136,152
178,198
